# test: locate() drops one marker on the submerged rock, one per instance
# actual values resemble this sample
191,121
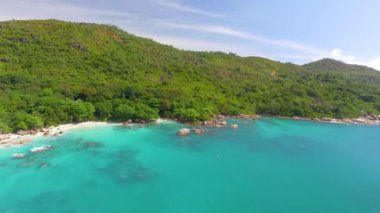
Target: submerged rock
142,174
25,164
184,132
193,144
90,145
93,144
43,165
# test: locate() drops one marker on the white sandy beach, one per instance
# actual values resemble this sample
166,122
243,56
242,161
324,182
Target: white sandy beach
16,140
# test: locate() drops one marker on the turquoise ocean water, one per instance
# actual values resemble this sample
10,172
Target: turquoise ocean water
268,165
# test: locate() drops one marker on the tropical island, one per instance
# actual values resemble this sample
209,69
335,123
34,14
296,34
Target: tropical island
54,72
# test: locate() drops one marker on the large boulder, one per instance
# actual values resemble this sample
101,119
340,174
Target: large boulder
184,132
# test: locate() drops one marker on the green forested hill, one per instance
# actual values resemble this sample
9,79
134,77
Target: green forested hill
54,72
357,73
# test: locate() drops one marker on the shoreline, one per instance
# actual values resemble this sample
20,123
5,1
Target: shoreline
21,138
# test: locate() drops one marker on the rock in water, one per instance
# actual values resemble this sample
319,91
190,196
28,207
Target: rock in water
183,132
199,131
43,165
40,148
234,126
18,156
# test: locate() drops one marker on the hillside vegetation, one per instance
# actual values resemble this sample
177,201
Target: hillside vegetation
54,72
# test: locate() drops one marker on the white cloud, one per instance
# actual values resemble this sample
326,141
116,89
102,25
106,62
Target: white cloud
375,63
201,45
239,34
46,9
338,54
175,5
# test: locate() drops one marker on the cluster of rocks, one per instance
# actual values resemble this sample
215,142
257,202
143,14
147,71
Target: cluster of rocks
32,150
221,120
246,117
136,121
23,137
9,139
186,131
217,121
44,132
369,120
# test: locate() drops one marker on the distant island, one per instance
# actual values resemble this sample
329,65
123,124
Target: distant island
54,72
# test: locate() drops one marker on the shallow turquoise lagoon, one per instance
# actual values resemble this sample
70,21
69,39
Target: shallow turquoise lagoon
268,165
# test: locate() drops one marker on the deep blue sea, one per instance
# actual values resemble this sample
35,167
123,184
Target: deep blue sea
268,165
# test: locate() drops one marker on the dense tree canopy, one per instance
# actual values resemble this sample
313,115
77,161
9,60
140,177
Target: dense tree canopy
54,72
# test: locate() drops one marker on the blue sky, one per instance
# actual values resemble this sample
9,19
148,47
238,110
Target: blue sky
296,31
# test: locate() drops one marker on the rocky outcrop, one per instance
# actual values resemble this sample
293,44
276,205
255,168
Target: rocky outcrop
217,121
184,132
369,119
